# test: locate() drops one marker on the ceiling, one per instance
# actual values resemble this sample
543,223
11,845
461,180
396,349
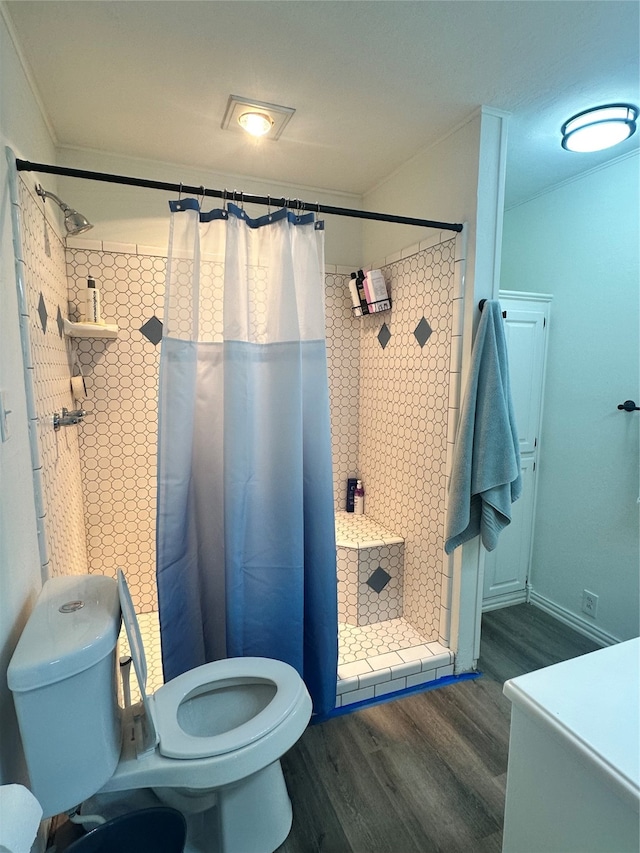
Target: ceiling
372,83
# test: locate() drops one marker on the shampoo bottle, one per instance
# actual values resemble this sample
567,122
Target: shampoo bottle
92,306
351,490
355,297
360,288
358,499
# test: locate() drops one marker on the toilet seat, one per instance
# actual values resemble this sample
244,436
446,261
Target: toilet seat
163,707
175,742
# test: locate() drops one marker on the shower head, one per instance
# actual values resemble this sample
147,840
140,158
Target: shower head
74,222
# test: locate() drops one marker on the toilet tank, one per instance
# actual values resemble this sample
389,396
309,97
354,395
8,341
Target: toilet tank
63,678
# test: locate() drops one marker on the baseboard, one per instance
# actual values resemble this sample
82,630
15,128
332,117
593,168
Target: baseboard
582,626
519,597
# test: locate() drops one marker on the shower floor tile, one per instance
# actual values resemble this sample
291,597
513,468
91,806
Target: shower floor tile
356,643
359,642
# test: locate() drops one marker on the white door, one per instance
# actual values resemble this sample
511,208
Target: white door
525,325
505,568
525,333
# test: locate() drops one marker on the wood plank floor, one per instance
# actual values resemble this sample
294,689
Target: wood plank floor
424,773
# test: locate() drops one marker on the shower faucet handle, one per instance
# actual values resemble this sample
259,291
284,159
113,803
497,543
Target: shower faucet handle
68,418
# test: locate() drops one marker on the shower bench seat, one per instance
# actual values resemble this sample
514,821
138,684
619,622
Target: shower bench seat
370,562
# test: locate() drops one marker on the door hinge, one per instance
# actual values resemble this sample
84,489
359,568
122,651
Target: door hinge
544,322
535,442
534,466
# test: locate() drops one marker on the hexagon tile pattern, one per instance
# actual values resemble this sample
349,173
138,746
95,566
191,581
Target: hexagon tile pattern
118,442
343,365
403,410
59,469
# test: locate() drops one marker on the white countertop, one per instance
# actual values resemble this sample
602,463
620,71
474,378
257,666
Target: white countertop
593,703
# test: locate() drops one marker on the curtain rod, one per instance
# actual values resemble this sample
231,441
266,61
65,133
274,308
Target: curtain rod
296,204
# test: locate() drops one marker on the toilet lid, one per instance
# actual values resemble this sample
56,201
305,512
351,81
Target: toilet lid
175,742
137,650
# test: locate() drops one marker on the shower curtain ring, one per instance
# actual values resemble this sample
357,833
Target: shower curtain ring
180,192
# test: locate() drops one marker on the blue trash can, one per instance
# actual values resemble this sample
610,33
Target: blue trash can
161,830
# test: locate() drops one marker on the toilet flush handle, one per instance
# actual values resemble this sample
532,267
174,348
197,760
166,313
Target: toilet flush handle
125,674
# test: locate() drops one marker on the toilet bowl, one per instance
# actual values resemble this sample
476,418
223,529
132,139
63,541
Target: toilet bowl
208,743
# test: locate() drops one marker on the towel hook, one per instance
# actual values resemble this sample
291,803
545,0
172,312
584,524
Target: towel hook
629,406
481,306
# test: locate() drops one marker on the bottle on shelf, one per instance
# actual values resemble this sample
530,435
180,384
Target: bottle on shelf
92,304
358,499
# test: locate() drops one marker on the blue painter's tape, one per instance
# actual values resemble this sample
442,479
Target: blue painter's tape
390,697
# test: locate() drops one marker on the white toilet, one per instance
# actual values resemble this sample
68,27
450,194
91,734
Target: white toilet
209,742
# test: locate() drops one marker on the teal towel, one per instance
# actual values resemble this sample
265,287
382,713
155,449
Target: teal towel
485,477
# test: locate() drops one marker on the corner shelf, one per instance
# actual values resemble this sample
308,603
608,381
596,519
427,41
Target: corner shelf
89,330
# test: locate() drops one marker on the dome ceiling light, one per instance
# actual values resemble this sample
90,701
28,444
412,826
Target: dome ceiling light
258,118
599,128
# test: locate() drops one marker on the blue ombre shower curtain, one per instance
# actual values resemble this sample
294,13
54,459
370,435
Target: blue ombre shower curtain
245,536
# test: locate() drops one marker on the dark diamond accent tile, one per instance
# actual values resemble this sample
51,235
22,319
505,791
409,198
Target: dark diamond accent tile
378,580
60,322
42,313
384,335
422,332
152,330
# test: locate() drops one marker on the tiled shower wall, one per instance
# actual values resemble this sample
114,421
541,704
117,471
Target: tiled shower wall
49,371
409,360
343,364
119,436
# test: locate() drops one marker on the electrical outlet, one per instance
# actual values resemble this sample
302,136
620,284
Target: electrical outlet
589,603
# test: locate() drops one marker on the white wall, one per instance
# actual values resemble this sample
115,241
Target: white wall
124,214
21,128
580,242
439,183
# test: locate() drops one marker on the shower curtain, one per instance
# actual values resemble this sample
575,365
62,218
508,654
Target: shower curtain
245,536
